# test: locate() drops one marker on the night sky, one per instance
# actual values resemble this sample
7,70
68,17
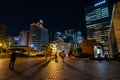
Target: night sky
56,15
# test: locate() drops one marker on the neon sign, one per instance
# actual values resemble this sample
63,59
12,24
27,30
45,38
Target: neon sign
102,2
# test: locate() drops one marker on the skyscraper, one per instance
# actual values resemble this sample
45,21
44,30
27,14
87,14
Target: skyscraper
98,23
38,35
24,38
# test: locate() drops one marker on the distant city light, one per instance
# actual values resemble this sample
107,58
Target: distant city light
64,37
16,38
31,45
59,33
41,21
102,2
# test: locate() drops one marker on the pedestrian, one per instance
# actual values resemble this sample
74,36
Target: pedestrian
118,56
99,58
106,57
70,53
56,60
62,55
55,55
12,60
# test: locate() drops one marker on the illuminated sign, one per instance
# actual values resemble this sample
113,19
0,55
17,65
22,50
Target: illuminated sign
102,2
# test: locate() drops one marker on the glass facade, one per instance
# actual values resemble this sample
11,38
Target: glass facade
97,14
38,36
98,23
24,37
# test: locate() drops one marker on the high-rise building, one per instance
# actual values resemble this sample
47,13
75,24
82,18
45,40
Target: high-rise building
98,23
24,38
2,31
115,29
16,41
38,35
10,40
52,36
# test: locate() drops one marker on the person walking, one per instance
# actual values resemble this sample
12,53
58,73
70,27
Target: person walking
56,60
99,58
106,57
70,53
12,60
62,55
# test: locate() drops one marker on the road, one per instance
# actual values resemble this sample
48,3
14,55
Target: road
70,69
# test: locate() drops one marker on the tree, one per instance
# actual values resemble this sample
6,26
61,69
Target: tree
48,50
5,45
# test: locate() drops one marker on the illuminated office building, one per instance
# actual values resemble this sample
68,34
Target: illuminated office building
98,19
16,41
115,29
24,37
38,35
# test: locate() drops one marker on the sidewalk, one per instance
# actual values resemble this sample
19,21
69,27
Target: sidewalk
78,58
70,69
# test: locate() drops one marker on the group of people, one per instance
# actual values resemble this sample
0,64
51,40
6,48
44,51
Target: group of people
106,57
14,55
62,54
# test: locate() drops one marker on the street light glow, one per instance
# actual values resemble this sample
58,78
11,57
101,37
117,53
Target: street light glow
0,44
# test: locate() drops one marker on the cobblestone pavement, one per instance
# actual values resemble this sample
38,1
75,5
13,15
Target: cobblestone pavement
70,69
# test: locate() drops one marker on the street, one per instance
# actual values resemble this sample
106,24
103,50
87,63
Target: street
70,69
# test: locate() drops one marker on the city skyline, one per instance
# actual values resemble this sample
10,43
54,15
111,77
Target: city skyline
56,15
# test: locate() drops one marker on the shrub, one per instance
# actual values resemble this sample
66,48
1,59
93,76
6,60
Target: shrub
114,55
23,55
5,55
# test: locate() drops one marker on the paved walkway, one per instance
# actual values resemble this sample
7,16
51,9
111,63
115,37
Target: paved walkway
70,69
